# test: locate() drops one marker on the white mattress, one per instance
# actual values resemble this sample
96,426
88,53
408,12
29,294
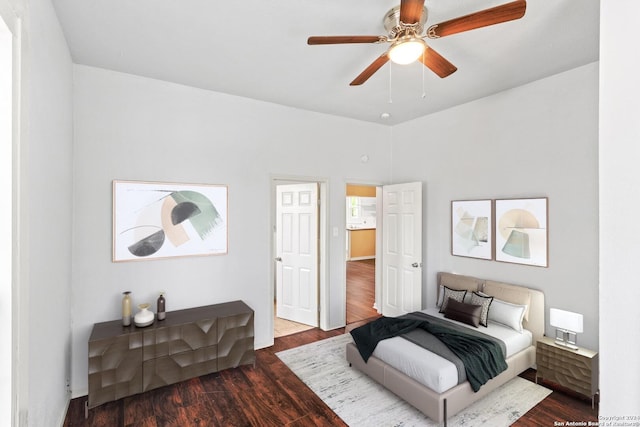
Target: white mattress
434,371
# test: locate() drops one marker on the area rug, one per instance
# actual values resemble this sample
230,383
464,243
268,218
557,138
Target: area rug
361,401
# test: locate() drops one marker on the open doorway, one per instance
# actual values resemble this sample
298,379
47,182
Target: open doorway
360,252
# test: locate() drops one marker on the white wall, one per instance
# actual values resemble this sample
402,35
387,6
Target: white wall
535,140
6,220
619,204
43,223
133,128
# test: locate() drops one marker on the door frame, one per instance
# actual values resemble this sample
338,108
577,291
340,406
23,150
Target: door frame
16,278
323,239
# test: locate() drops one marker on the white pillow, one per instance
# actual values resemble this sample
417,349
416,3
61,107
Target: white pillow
440,296
467,297
507,314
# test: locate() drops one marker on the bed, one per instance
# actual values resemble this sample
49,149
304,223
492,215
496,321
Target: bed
443,398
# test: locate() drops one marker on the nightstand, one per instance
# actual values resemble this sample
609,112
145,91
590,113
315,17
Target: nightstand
576,370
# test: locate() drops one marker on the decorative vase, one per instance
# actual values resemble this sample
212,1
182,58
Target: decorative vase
126,308
161,307
144,317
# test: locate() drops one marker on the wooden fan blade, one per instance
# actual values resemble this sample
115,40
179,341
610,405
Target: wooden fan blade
483,18
437,63
411,11
343,39
368,72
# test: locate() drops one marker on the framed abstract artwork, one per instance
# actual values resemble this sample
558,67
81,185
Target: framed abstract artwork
161,220
471,228
522,231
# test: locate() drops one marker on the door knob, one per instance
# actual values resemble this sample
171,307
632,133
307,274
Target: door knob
279,259
416,264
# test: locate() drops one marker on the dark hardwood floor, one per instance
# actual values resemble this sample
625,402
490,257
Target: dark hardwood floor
360,290
269,394
559,408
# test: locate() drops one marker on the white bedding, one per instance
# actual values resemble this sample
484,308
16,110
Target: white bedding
434,371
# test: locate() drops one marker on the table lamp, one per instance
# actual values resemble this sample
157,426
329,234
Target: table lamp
568,325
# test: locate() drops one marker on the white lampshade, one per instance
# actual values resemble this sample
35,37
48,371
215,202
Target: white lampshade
406,50
566,320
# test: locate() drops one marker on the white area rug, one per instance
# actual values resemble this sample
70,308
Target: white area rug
361,401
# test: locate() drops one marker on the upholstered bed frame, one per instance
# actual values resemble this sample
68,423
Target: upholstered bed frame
439,406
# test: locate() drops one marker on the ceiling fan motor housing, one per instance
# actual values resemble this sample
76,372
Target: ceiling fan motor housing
395,28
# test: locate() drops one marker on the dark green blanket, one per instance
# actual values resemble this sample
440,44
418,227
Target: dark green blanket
369,335
483,358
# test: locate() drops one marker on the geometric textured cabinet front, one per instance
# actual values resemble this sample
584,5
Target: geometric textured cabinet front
125,360
177,353
114,368
576,370
235,341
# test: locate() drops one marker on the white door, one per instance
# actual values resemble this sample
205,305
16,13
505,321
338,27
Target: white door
401,248
297,253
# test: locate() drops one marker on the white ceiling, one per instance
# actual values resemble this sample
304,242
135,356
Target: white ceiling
257,49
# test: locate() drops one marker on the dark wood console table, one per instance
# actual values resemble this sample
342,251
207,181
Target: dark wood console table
126,360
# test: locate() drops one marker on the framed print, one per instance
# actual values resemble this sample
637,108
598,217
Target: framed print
161,220
522,231
471,228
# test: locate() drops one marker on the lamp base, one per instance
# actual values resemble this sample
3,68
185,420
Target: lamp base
563,338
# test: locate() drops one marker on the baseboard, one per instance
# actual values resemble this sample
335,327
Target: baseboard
66,409
82,392
361,258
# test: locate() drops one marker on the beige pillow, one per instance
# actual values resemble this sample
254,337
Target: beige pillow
509,293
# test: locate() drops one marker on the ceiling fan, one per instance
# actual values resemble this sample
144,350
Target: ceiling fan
405,25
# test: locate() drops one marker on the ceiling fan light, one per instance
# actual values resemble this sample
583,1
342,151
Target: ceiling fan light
406,51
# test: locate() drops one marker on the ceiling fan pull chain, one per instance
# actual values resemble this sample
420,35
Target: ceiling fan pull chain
424,93
390,98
